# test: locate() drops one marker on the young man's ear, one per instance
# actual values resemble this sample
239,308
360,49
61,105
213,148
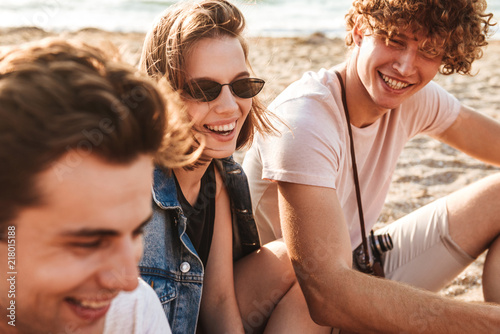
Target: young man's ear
358,31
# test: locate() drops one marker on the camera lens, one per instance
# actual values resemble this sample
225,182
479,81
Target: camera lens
382,243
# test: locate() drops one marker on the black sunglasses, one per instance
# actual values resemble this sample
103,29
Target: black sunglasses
208,90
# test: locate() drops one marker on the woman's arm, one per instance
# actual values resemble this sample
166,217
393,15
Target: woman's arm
219,310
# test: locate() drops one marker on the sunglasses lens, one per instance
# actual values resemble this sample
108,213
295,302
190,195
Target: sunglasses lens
204,90
207,90
247,88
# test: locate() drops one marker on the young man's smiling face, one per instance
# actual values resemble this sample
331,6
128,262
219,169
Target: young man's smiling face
391,70
80,247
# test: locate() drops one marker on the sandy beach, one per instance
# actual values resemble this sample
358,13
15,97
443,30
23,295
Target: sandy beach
426,170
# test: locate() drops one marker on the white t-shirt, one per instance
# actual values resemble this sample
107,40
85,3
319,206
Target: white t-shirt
137,312
316,150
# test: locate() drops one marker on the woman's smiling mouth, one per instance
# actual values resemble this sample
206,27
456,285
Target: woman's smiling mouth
223,130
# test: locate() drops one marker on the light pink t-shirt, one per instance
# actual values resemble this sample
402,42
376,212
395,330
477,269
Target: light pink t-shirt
316,150
137,312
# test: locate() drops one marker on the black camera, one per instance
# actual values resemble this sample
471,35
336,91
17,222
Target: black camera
377,245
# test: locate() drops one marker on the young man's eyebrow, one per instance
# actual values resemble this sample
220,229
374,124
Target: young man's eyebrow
87,232
144,223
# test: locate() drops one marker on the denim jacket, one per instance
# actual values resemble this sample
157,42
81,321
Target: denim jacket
170,263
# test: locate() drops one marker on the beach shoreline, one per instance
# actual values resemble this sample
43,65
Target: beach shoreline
426,170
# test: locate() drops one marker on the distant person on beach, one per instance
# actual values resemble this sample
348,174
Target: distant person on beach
78,132
202,251
397,47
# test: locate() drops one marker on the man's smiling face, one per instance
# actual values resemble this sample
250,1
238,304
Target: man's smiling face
80,247
393,69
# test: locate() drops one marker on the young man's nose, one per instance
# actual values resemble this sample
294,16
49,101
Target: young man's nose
405,63
120,272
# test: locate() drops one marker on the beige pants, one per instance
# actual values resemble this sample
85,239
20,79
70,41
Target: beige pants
424,255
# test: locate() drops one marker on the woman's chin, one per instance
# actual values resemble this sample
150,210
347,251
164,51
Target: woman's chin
219,153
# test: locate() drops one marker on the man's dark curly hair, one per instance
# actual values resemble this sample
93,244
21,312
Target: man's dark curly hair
59,96
457,29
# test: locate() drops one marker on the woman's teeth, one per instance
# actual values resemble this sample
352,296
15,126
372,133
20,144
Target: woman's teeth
394,84
222,129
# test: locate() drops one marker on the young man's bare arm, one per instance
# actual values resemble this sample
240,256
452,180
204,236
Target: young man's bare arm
318,242
474,134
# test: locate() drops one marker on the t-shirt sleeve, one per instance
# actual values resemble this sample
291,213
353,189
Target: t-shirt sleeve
154,317
433,110
308,151
137,312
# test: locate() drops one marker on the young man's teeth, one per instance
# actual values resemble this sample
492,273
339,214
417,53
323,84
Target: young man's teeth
394,84
94,304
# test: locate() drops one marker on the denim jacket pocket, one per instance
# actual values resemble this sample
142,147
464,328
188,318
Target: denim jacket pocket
164,287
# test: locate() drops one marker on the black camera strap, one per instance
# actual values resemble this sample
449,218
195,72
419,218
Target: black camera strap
377,268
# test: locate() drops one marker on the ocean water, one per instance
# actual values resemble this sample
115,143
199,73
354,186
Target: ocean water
264,17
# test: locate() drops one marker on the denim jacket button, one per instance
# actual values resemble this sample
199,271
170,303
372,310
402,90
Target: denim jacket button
185,267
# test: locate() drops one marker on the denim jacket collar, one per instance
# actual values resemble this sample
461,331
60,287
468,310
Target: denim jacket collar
164,189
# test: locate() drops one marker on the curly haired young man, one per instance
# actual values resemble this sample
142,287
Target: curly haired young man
397,47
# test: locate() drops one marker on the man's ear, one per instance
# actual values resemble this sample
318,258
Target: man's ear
358,31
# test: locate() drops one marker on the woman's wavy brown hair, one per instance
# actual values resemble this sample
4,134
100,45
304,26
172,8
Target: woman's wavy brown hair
456,28
175,33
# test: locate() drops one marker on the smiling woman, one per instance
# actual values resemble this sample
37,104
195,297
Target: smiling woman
219,120
202,250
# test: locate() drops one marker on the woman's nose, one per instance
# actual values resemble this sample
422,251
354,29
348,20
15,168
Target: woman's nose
226,102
